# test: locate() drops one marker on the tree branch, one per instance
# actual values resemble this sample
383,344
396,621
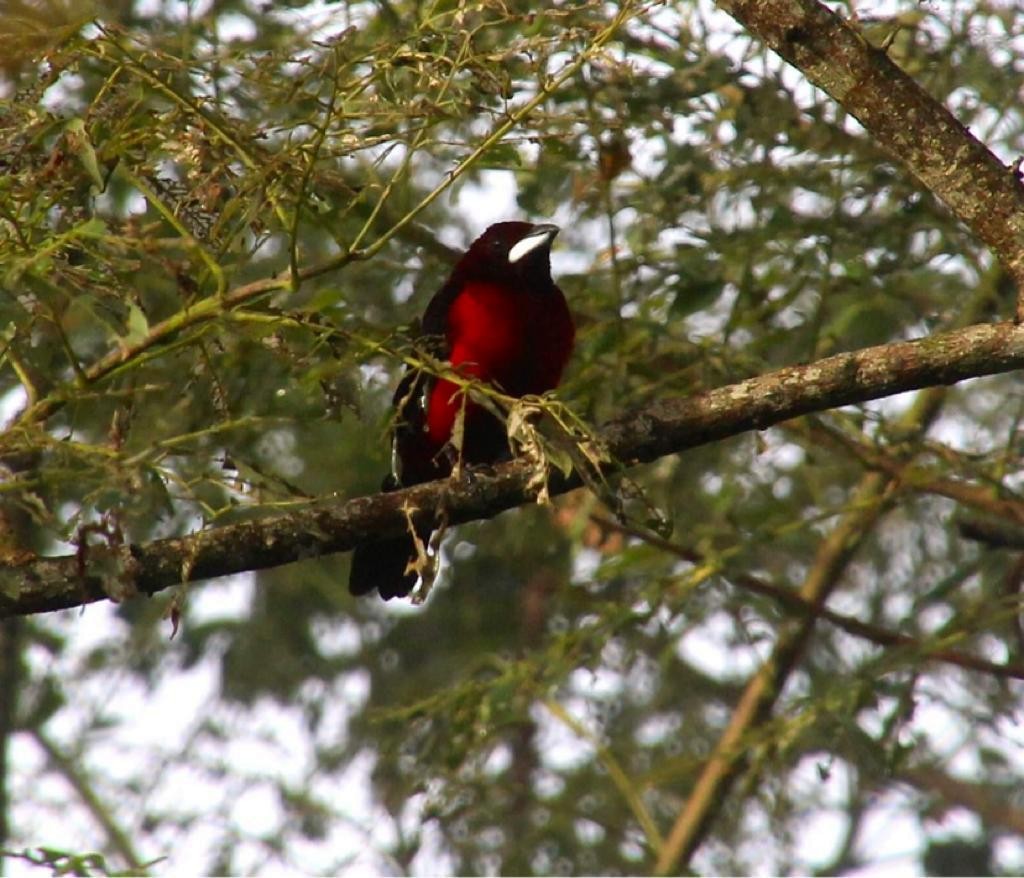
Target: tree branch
792,602
11,672
994,805
901,116
665,427
995,532
995,502
223,300
74,774
764,687
873,495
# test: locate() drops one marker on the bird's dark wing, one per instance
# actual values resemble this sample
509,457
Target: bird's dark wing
435,318
412,459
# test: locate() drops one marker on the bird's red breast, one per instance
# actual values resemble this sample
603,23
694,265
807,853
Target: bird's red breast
516,339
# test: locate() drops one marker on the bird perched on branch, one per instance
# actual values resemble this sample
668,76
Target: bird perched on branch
499,319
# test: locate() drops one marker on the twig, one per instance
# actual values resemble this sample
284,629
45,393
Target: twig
615,772
64,766
10,686
790,600
975,797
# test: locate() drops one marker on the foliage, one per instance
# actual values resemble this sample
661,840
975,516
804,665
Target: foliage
218,222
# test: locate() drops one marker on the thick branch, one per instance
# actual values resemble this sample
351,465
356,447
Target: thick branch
900,115
663,428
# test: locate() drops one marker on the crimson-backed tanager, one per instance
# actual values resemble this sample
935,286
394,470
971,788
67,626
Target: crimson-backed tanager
500,319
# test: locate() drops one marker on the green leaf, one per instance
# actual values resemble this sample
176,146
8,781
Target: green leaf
80,145
138,325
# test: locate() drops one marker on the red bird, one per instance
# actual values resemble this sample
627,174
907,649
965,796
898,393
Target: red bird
499,318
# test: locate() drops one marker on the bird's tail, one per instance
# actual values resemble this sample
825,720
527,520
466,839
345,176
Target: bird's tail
381,565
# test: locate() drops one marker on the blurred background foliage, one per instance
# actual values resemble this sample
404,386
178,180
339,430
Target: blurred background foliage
550,707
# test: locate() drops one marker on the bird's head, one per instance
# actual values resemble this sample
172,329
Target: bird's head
514,251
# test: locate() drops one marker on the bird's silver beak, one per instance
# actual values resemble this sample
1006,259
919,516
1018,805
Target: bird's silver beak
539,236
